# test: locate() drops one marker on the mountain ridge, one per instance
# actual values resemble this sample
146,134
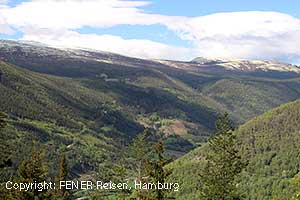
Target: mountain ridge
208,84
239,65
249,65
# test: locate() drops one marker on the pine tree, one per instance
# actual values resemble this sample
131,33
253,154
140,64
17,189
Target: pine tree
223,163
63,175
139,152
31,171
119,176
116,173
156,170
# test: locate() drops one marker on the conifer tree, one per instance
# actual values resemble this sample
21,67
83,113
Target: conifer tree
139,151
116,173
63,175
156,170
119,176
63,168
223,163
31,171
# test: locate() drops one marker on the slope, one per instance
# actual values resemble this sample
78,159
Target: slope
245,90
92,118
269,142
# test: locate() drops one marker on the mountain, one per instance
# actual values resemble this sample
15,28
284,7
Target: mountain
249,65
92,103
92,118
244,93
270,143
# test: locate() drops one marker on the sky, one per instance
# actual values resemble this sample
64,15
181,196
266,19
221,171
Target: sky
160,29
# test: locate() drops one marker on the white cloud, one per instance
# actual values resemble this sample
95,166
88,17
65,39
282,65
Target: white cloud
5,29
4,26
53,22
249,35
3,2
73,14
135,48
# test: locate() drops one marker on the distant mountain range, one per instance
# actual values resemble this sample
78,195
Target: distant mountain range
90,102
249,65
197,64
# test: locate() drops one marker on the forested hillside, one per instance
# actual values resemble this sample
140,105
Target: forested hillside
149,100
269,144
91,104
244,88
92,119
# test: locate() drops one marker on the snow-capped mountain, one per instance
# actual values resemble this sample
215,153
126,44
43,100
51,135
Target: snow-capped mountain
248,65
25,51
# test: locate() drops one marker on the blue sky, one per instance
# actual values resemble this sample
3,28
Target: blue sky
195,8
164,29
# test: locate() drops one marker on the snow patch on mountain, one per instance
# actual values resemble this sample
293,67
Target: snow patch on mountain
248,65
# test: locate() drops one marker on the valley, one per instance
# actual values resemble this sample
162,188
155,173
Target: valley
92,104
